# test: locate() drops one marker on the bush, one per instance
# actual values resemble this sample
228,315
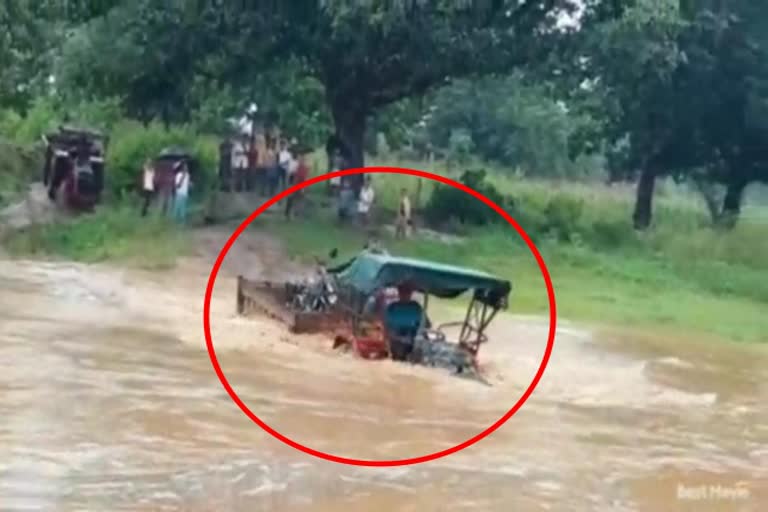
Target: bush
9,123
563,214
41,118
612,233
447,204
133,143
460,145
529,211
18,168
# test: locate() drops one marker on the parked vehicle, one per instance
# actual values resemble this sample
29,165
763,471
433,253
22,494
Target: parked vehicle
74,167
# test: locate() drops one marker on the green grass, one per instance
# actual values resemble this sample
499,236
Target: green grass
115,234
628,289
681,276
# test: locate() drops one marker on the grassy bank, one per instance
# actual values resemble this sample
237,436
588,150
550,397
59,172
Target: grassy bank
115,234
625,288
681,276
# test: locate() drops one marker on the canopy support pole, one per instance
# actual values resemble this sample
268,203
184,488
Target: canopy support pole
478,318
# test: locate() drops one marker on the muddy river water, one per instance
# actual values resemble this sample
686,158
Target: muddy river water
108,402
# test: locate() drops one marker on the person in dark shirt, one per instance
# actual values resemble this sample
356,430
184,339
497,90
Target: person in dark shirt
346,201
297,198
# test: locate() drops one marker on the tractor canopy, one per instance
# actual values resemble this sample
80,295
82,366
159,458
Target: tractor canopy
70,137
371,271
174,153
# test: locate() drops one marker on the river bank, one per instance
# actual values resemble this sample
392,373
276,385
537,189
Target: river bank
642,289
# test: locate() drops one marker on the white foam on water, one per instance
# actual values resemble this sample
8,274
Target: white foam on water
265,488
549,486
166,495
484,467
671,396
674,361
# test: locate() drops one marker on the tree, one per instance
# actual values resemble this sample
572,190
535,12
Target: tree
153,65
634,65
30,32
682,86
367,55
511,120
738,87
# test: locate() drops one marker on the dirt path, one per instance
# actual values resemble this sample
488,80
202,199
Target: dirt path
254,253
35,208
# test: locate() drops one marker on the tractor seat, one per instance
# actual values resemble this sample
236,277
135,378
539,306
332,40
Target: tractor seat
403,319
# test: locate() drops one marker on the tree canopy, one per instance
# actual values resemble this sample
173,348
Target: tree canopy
683,84
654,88
366,55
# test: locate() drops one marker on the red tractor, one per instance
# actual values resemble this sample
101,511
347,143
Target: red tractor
74,167
370,305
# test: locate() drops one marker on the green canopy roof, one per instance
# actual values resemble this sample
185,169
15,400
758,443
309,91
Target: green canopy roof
371,271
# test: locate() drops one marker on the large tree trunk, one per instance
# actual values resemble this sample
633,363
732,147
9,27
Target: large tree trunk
350,121
709,195
350,125
644,202
732,203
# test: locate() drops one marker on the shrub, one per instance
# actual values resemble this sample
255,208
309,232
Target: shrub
563,214
18,168
447,204
529,211
41,118
612,233
132,143
460,145
9,123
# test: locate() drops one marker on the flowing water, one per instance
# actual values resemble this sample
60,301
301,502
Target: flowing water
108,402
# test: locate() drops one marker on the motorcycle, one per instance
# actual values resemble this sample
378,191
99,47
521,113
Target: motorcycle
316,294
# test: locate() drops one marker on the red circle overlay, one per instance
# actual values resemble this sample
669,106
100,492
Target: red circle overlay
380,463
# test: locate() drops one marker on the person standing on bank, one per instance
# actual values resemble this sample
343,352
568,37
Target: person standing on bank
239,155
284,163
148,189
271,171
295,201
293,165
346,201
403,215
182,193
365,203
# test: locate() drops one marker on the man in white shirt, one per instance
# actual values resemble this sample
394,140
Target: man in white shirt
239,163
284,162
364,204
148,188
403,215
182,193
